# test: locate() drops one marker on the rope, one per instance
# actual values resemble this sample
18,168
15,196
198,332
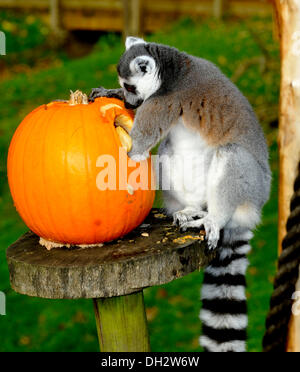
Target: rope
275,338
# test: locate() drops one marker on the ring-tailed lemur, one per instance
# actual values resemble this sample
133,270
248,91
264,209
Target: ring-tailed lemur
196,110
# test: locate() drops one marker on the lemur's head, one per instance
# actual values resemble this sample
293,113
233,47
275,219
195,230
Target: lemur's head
138,72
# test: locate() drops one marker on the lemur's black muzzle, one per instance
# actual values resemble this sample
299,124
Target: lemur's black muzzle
132,107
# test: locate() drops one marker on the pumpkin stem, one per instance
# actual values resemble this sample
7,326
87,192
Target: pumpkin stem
77,98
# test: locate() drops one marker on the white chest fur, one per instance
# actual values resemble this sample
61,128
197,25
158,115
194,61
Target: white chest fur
190,161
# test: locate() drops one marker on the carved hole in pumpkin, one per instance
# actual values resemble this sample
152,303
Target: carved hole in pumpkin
123,126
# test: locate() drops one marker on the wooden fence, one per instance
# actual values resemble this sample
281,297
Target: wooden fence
133,16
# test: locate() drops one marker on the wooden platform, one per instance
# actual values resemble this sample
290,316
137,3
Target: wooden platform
155,253
113,275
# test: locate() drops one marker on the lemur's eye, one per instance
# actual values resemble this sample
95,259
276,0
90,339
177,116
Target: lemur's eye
130,88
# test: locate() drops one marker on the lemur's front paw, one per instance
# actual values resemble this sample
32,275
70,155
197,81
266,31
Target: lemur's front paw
212,230
98,92
109,93
186,215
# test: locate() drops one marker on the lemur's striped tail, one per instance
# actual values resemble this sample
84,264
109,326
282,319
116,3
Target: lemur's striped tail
224,306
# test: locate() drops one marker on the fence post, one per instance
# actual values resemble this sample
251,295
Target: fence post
132,14
218,7
55,16
136,6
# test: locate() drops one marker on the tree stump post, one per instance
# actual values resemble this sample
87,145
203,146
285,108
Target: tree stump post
113,275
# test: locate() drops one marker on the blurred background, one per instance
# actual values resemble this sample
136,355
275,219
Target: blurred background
53,46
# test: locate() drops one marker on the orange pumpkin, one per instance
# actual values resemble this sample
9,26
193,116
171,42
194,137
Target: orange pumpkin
53,168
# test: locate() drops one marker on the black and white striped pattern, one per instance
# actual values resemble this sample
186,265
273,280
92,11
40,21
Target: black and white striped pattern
224,306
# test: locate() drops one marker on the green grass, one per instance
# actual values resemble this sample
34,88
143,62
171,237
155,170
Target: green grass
33,324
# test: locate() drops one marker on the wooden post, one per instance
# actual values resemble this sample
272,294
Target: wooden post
122,324
132,14
136,17
218,6
54,16
288,15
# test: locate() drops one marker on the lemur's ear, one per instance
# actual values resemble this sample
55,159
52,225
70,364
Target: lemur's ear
143,64
130,40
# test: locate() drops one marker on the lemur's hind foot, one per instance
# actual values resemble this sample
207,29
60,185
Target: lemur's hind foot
212,230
